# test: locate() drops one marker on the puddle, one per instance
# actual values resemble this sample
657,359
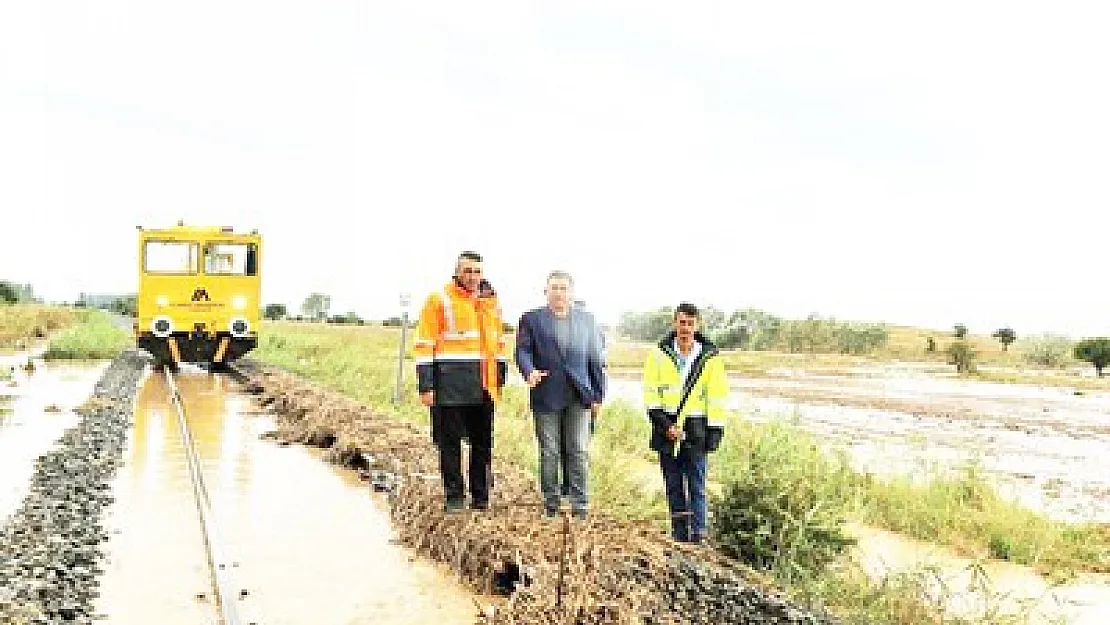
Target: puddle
310,542
33,416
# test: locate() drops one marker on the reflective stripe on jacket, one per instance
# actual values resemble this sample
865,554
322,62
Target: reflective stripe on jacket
702,417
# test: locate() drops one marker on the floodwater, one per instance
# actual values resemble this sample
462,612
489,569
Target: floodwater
36,407
308,542
977,588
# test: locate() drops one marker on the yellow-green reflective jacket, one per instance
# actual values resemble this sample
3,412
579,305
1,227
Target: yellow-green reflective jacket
702,416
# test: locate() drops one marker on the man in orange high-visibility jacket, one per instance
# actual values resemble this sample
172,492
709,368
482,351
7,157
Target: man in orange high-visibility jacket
460,369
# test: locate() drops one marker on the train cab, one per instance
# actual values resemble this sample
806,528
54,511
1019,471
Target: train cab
199,295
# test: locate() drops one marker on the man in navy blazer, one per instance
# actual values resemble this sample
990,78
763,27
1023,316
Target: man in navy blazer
558,351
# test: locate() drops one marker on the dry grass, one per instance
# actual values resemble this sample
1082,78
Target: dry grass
21,324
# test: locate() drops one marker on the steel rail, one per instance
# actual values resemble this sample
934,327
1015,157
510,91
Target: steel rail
218,562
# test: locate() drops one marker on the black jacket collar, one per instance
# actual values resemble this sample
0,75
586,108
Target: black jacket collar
707,347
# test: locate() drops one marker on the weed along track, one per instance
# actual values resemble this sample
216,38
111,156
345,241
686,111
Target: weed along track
604,570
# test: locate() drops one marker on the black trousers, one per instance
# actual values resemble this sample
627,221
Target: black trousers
450,424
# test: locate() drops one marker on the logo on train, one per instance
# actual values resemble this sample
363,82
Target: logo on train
201,295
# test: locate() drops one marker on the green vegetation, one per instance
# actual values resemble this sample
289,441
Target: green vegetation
95,337
780,502
12,293
756,330
1046,350
1006,336
22,323
782,509
961,354
275,312
316,306
1095,351
778,465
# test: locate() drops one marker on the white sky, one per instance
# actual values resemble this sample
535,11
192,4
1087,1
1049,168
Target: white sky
924,163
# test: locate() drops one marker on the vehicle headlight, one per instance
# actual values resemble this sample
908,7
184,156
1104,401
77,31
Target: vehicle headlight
238,302
239,327
162,301
162,327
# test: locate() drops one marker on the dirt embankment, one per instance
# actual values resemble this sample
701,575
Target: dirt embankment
604,570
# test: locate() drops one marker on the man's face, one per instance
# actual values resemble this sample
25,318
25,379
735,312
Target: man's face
685,326
469,273
558,293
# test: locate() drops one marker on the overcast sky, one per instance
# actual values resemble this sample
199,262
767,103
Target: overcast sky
917,163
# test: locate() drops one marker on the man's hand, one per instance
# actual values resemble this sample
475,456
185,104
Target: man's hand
428,398
535,378
673,433
595,409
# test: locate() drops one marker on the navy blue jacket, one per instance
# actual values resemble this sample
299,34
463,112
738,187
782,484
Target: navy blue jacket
536,349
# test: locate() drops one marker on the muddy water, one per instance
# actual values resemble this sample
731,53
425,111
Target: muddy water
35,409
310,543
971,588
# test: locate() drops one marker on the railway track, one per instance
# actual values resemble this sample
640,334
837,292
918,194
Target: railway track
229,610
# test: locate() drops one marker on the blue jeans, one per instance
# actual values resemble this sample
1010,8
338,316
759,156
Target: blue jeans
569,426
685,480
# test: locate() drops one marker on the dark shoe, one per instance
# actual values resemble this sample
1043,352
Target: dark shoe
479,505
581,515
453,507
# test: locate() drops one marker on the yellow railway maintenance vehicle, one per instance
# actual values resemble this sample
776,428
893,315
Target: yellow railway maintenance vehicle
199,294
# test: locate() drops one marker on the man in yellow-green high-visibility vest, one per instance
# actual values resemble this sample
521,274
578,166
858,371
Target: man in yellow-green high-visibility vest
685,394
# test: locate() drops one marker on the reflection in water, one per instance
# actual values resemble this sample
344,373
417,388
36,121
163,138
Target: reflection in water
309,544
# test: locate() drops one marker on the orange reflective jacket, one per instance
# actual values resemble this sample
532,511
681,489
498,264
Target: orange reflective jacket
460,347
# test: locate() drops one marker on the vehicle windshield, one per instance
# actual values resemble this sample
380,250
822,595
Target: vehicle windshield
170,257
230,259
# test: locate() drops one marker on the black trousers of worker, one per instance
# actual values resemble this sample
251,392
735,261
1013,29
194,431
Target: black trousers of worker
450,424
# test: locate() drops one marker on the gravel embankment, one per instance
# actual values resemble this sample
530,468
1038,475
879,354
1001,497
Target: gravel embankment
50,548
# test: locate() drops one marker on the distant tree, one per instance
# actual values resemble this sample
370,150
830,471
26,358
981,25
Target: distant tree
1095,351
9,293
1005,336
961,354
713,320
126,305
315,306
274,312
646,326
961,330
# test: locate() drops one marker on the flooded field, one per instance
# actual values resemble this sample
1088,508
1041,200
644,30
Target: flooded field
1044,446
308,542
